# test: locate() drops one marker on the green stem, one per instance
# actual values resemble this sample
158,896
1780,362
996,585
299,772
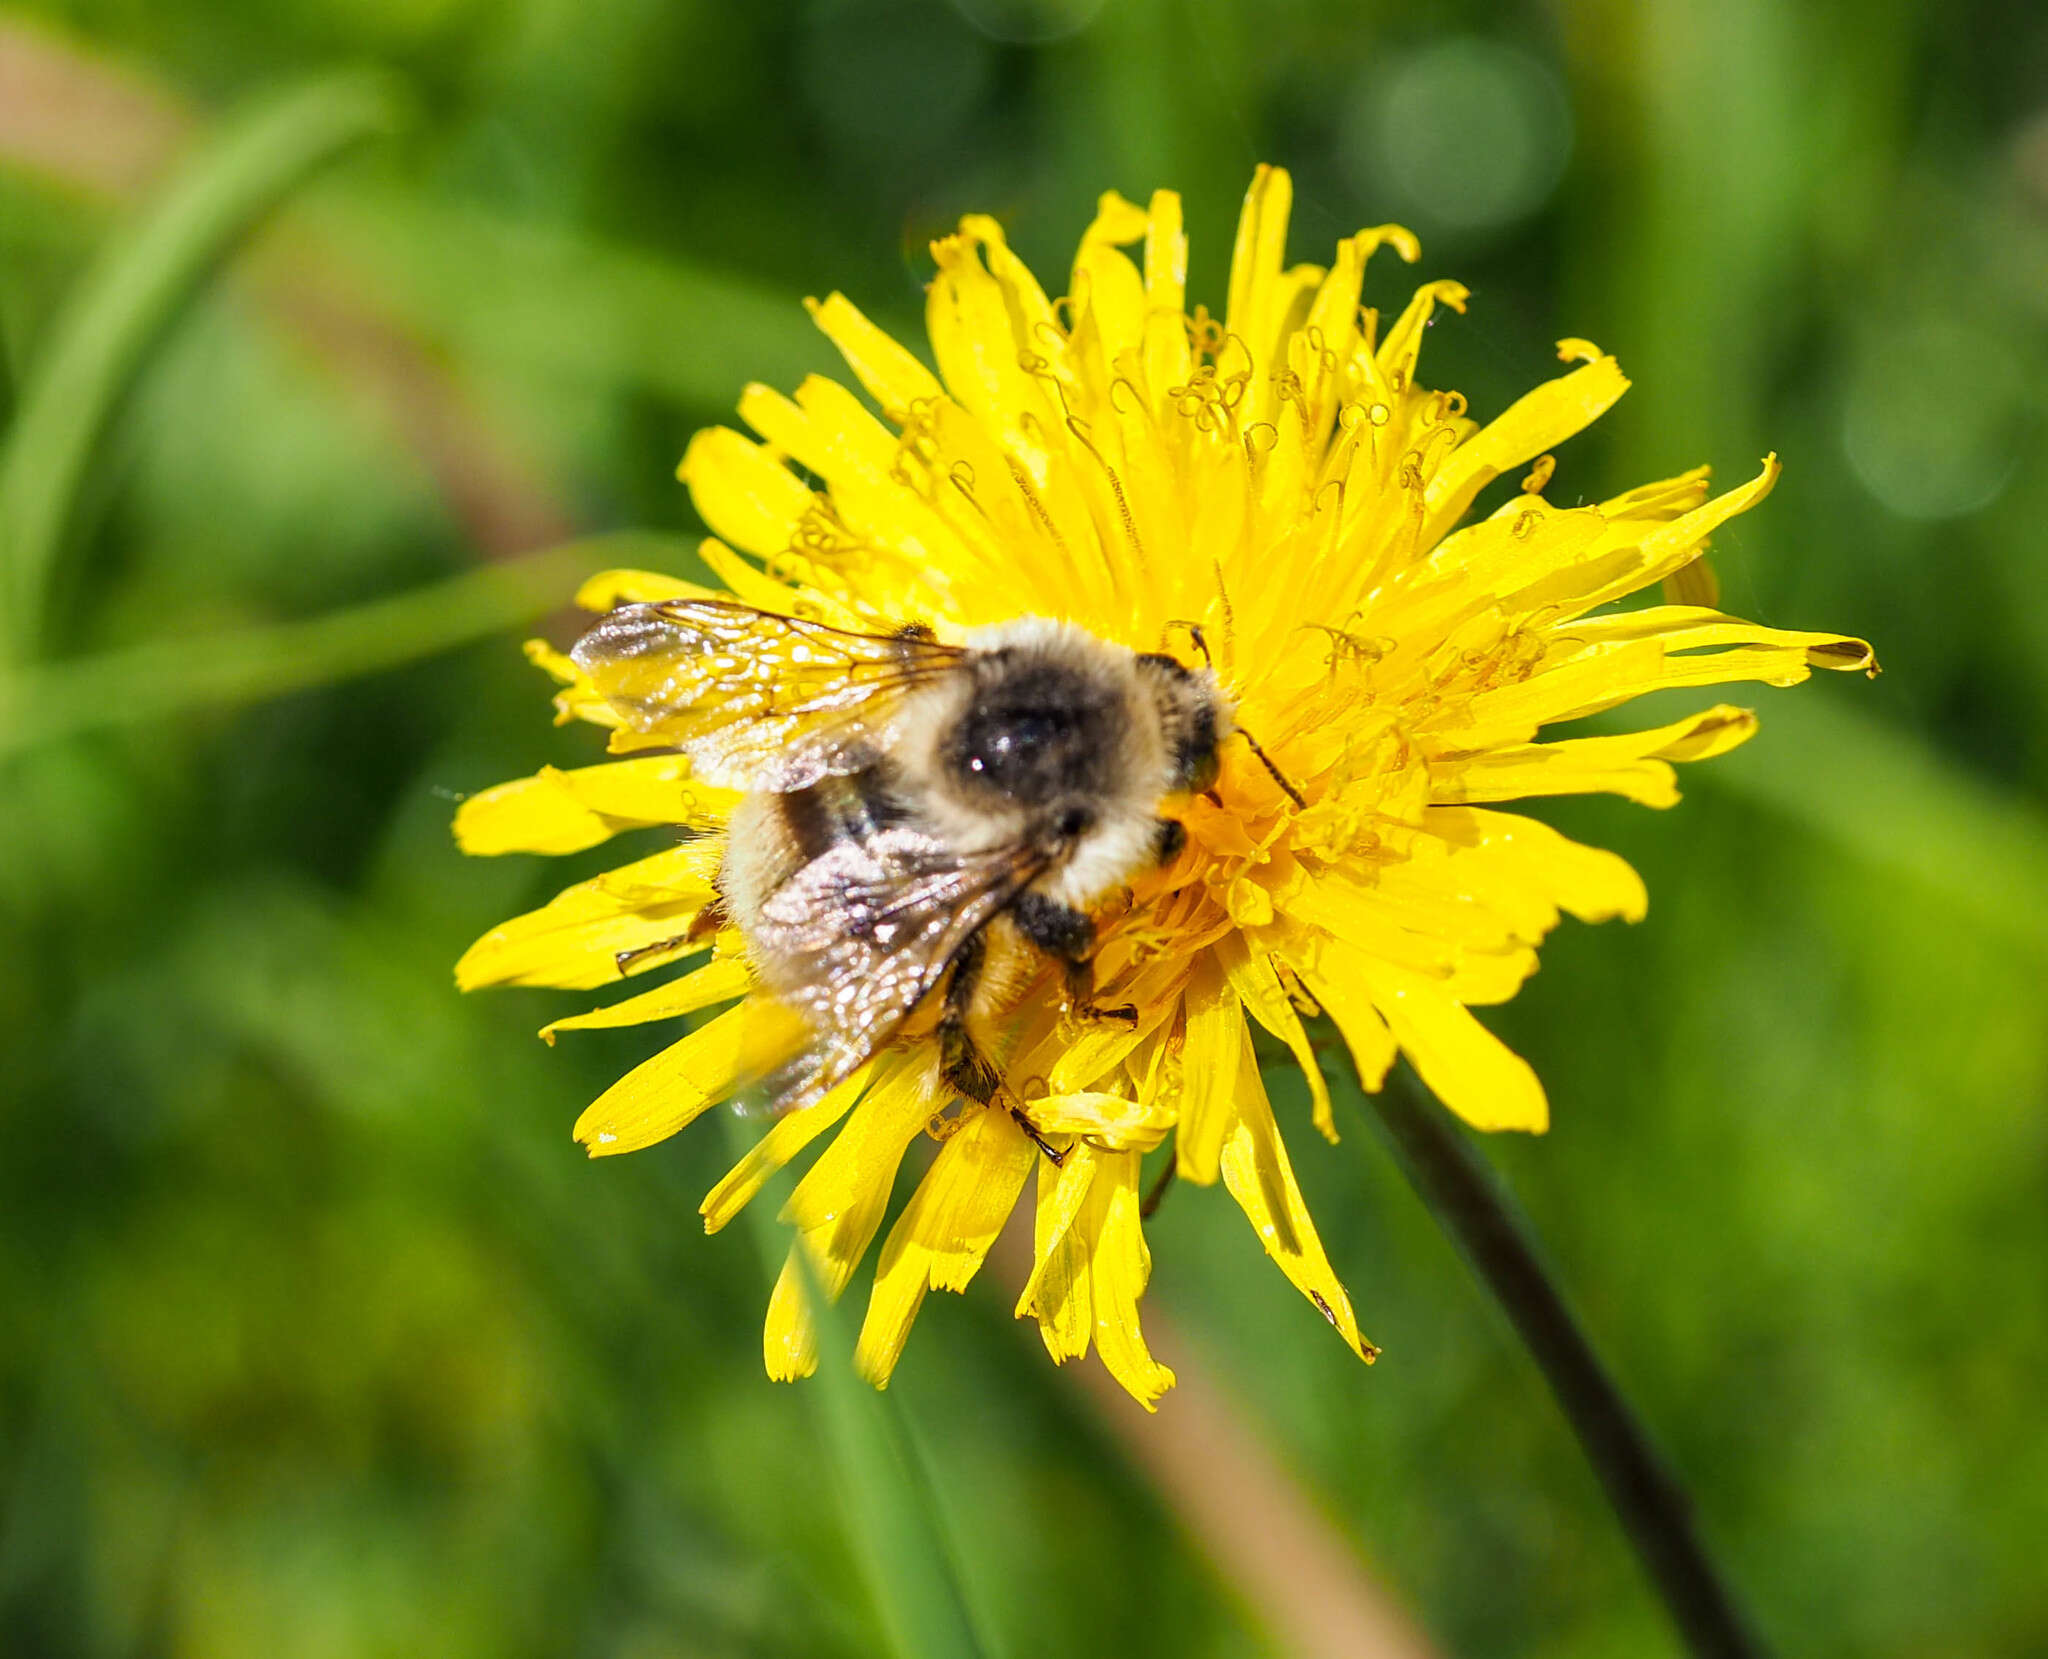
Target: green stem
125,304
1471,1204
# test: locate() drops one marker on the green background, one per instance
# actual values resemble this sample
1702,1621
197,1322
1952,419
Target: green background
318,1336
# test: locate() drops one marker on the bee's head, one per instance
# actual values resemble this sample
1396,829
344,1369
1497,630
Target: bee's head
1194,719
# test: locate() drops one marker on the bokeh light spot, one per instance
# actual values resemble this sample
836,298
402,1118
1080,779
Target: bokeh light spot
1468,135
1931,418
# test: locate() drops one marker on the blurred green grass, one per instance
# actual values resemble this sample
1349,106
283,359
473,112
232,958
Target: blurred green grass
320,1337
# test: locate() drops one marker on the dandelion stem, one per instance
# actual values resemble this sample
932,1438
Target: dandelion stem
1471,1204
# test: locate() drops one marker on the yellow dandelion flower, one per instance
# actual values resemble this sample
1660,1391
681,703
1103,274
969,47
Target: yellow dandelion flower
1280,478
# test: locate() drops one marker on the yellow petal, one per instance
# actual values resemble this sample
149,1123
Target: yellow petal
1632,764
1057,1292
1263,295
748,497
578,700
978,351
945,1231
838,1204
1166,257
1333,313
747,583
1112,1122
1119,1267
1469,1068
789,1340
1693,628
1092,1266
669,1092
1033,324
609,589
1077,1061
625,921
826,430
565,812
1261,245
786,1137
1259,1177
1258,987
1589,882
1377,916
1332,979
893,376
1537,421
1396,357
709,985
1650,557
1209,1070
1107,288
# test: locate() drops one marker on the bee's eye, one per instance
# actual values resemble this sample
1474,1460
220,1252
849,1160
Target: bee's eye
1074,822
1200,770
1195,763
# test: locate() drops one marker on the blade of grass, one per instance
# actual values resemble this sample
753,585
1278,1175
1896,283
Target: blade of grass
163,678
124,306
6,384
898,1533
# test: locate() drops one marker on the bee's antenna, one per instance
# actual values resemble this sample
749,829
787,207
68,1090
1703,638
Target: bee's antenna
1200,639
1279,776
1201,643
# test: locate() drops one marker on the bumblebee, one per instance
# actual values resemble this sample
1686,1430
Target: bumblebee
912,811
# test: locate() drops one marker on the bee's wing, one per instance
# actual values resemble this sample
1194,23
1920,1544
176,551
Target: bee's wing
757,701
866,931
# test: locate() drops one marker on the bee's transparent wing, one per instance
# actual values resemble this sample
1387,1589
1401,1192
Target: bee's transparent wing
869,928
757,701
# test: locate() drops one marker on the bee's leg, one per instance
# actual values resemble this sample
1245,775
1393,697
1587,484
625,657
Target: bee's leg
707,922
625,960
1067,935
1081,996
962,1064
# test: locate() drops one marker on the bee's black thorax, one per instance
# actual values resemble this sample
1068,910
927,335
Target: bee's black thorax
1034,731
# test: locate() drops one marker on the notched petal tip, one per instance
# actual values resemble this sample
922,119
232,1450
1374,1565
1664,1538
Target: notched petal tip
1712,733
1844,655
1398,237
1444,291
